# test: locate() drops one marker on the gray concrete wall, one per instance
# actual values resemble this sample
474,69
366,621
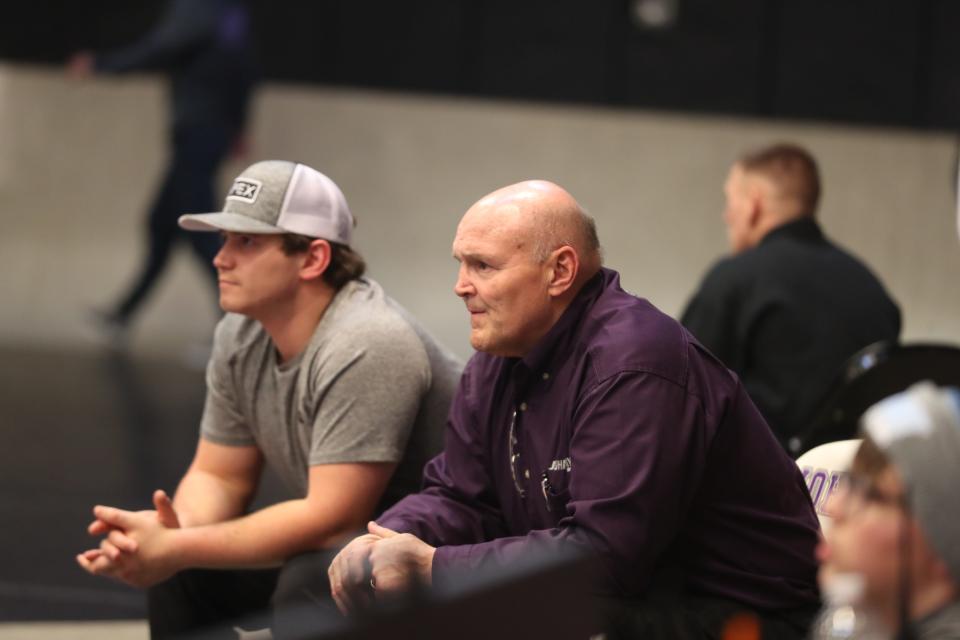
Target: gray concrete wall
79,161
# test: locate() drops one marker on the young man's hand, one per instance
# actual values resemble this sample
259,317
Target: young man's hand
137,546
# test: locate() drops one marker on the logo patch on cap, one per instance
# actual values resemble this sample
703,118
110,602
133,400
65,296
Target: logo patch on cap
245,190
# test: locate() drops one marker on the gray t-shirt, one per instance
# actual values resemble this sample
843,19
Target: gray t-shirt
371,386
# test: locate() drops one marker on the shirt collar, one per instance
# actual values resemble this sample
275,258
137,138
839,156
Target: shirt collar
805,228
557,339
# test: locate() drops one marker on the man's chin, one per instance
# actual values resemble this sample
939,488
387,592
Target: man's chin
481,342
494,348
477,343
229,307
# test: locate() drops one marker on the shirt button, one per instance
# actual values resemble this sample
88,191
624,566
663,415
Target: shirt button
526,473
546,376
523,406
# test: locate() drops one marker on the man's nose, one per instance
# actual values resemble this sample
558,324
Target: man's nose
462,286
221,259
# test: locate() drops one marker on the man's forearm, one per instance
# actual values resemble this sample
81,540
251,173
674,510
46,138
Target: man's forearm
204,498
340,500
261,539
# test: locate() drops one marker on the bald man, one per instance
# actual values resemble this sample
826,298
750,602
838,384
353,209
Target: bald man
788,308
589,420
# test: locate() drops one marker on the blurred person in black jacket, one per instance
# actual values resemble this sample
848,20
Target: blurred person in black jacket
788,307
204,47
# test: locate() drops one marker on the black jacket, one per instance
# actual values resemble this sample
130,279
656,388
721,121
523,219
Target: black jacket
786,315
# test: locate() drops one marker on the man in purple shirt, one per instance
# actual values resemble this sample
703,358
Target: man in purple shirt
589,419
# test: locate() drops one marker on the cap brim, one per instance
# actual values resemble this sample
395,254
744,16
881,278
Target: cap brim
225,221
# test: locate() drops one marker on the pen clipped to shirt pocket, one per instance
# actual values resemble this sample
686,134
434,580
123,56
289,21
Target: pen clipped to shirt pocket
555,497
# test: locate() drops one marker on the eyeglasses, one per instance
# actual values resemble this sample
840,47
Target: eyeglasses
515,455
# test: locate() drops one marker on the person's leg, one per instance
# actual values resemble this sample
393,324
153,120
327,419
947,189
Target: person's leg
209,601
197,152
302,604
160,236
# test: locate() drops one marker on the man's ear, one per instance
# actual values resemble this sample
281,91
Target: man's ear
315,260
758,203
564,265
761,192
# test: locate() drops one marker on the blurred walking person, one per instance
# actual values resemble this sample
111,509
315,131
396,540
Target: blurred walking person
204,47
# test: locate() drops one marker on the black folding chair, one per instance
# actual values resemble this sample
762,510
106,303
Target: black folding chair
870,375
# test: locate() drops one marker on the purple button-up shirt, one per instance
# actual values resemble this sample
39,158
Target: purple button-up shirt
620,434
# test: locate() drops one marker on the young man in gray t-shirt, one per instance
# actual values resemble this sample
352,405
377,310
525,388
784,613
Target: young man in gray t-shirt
314,371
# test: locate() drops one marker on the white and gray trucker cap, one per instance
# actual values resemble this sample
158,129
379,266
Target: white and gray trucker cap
277,196
919,431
